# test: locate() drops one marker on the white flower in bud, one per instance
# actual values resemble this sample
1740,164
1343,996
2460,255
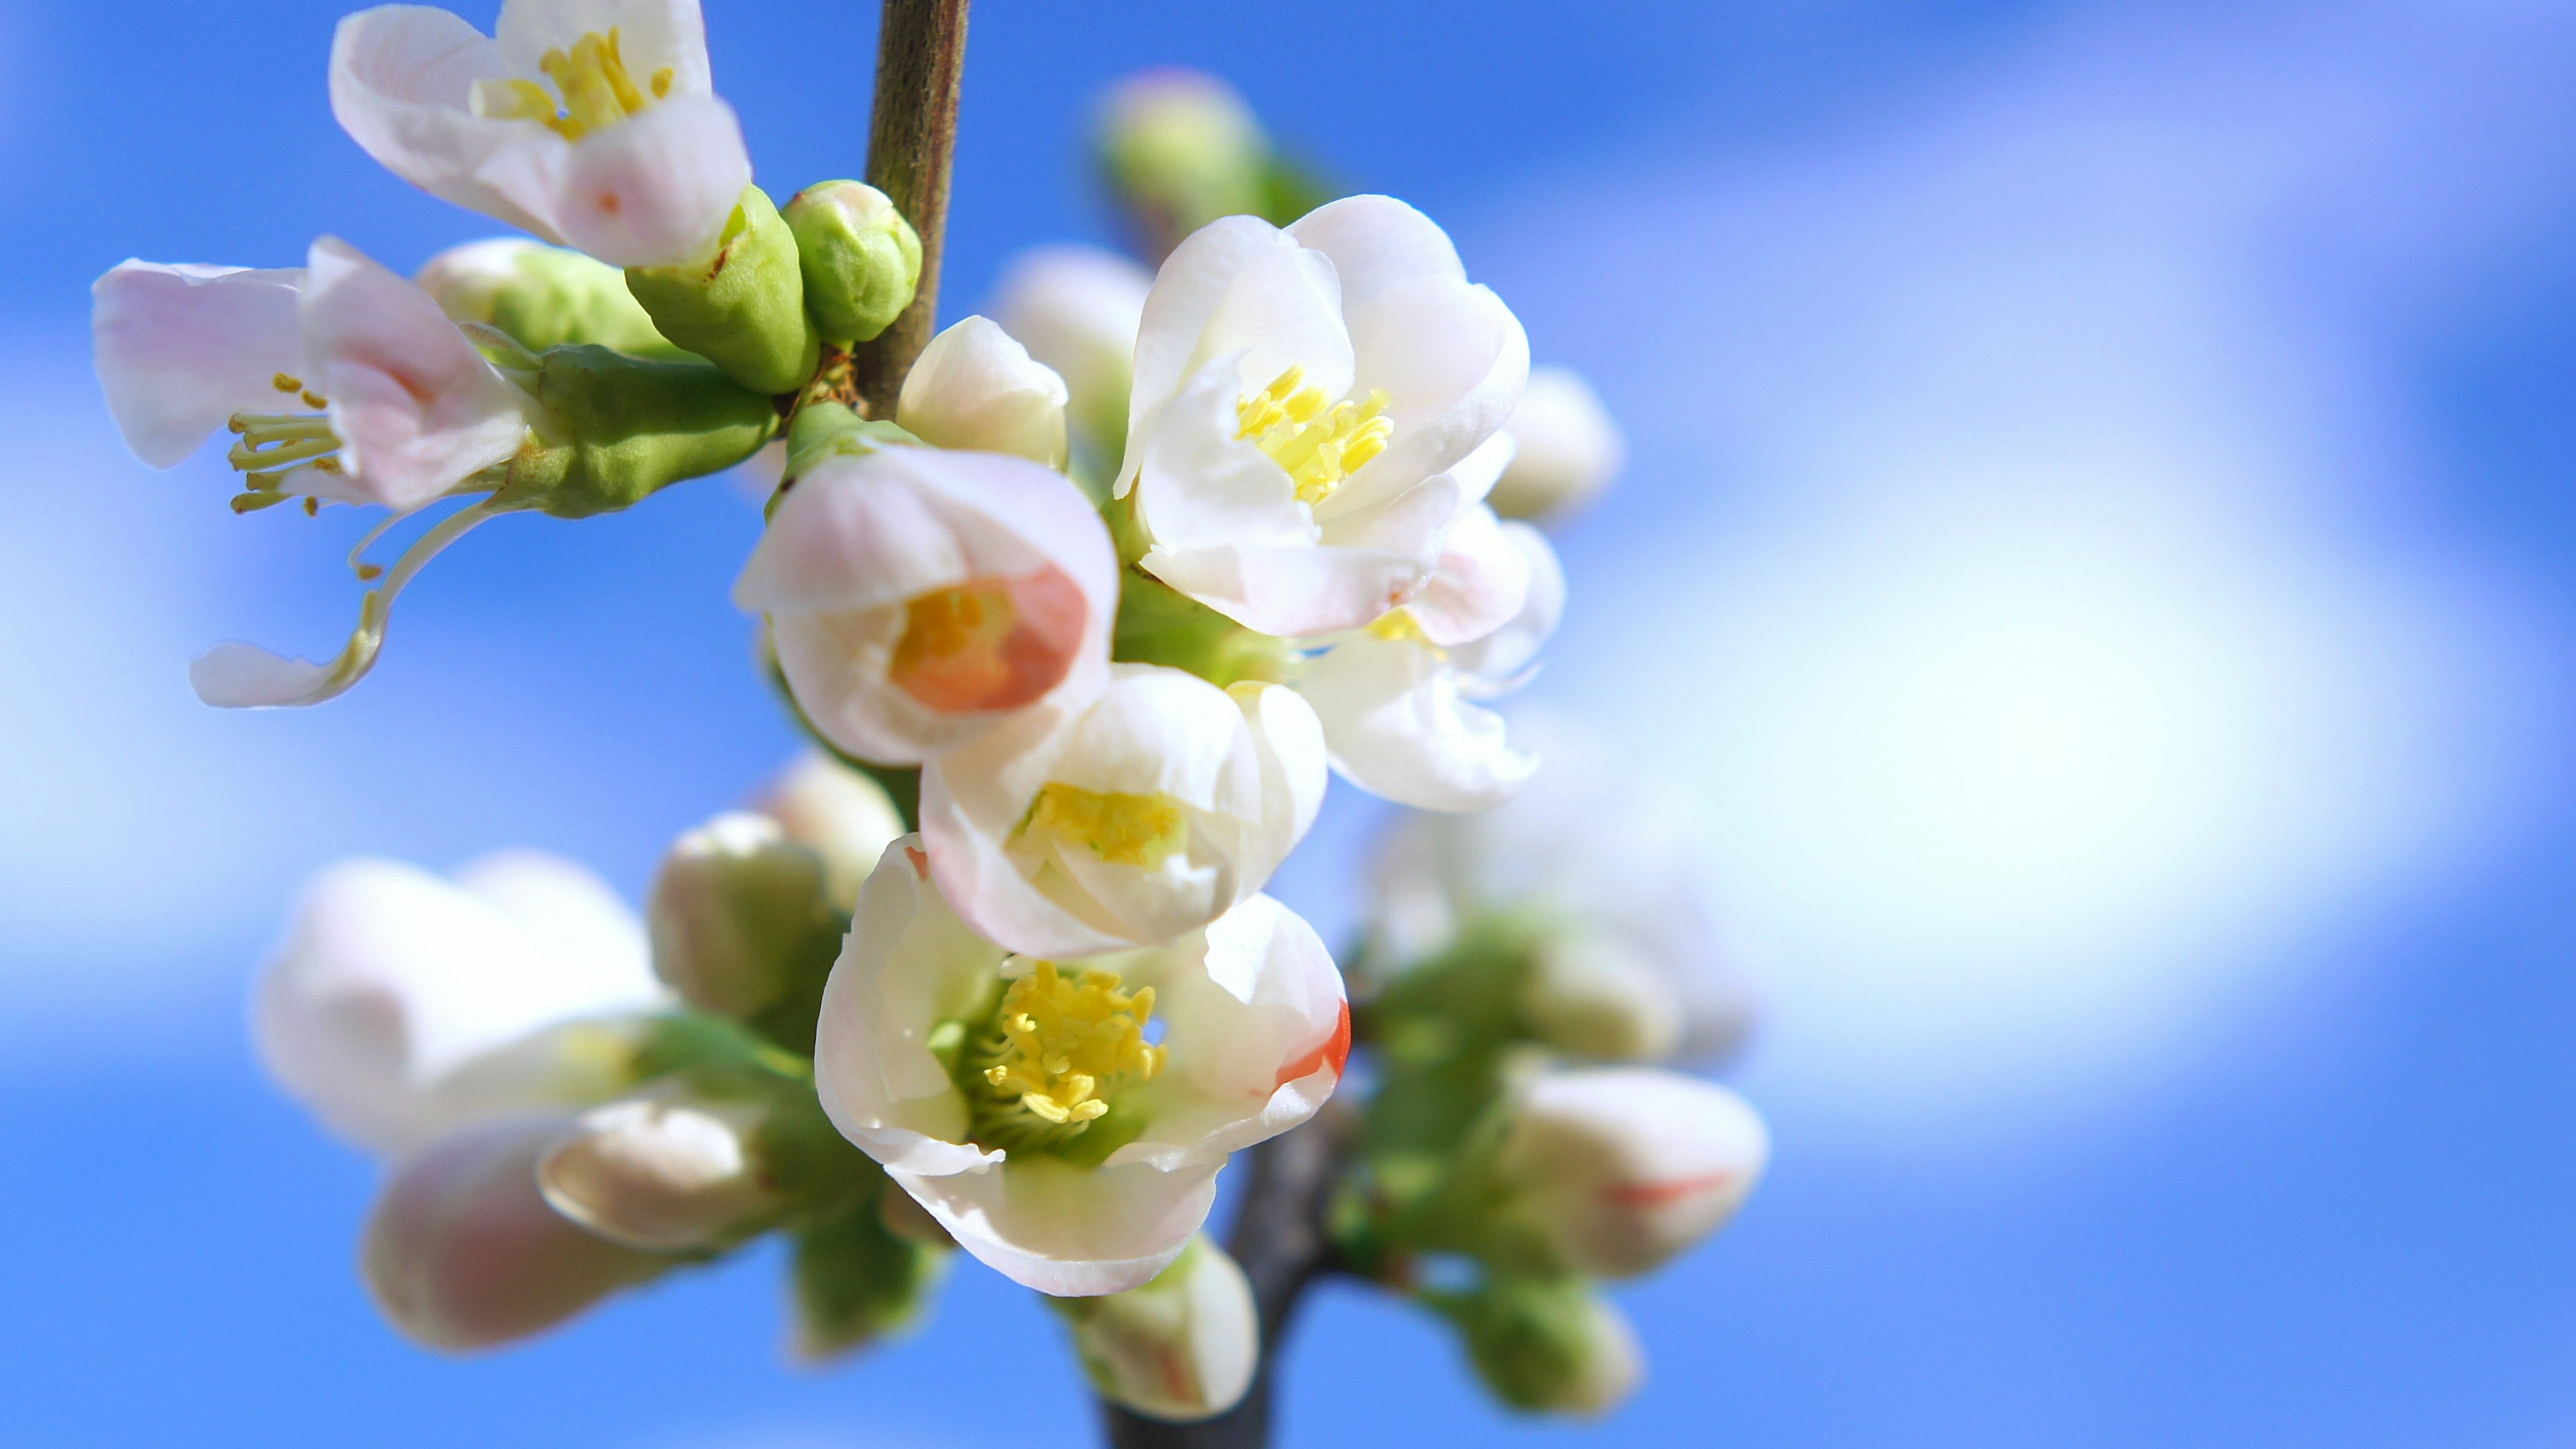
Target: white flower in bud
733,901
1128,821
1589,853
1401,700
1179,1349
1025,1103
671,1170
1077,310
1589,993
401,1004
1621,1168
975,387
462,1251
839,814
918,598
343,381
1300,399
1569,449
1182,149
592,123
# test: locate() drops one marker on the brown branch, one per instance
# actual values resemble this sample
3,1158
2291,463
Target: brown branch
912,143
1280,1241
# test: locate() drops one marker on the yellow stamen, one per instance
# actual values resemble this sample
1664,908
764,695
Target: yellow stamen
1122,829
1067,1041
274,444
950,655
1317,441
596,90
1400,626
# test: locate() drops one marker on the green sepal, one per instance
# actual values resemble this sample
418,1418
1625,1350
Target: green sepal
1533,1340
854,1280
615,429
743,308
861,259
826,429
1158,624
553,296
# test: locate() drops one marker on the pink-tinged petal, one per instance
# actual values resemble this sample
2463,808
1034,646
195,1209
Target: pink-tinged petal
976,387
418,408
402,83
651,34
235,675
1498,657
1289,590
181,348
1480,583
1378,243
1400,727
1066,1231
653,190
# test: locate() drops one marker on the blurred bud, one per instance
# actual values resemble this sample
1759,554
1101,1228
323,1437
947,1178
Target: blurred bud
614,429
1548,1345
856,1281
743,308
1617,1169
671,1170
462,1252
841,815
1568,448
733,915
975,387
861,259
542,296
1182,149
1591,994
1182,1347
1077,309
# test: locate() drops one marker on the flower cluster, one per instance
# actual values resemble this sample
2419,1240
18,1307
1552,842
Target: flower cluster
1082,618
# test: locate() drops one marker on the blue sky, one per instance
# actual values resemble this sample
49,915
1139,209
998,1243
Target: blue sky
2097,562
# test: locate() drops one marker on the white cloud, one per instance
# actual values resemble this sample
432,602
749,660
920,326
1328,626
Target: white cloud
2026,557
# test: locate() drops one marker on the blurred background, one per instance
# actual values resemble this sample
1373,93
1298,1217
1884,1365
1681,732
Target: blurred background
2099,558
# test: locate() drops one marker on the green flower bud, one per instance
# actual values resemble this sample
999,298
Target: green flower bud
1181,149
856,1281
613,429
542,296
862,260
744,307
1547,1345
742,924
1181,1348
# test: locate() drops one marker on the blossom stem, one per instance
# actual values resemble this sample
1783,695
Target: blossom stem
912,139
1281,1244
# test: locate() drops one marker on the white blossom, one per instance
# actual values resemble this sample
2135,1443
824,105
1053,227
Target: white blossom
1619,1169
919,598
592,123
1300,398
975,387
402,1004
1181,1348
1020,1101
1569,448
1129,821
1077,309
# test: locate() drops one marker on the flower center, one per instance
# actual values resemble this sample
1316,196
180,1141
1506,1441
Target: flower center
1062,1041
989,643
1318,441
275,444
593,81
1122,829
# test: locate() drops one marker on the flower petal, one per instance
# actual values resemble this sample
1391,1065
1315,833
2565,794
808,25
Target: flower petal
402,82
1378,243
976,387
181,348
1480,583
651,34
654,190
1399,727
1066,1231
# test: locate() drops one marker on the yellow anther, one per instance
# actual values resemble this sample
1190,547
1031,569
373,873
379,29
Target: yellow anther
284,383
313,399
274,443
1067,1041
1317,441
1122,829
1399,625
593,89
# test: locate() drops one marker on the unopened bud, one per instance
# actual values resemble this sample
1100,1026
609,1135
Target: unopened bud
1182,149
1182,1347
1549,1345
671,1170
743,308
1567,451
861,259
1590,994
735,914
1614,1170
827,429
976,387
542,296
842,816
1077,309
463,1252
856,1280
615,429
